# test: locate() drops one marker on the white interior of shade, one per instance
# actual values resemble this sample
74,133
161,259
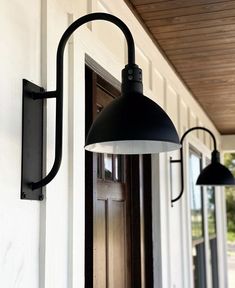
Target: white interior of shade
132,147
220,185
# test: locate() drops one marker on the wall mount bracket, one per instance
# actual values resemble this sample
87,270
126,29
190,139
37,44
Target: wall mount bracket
32,141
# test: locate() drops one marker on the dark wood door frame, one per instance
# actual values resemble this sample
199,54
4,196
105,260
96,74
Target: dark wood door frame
148,232
90,177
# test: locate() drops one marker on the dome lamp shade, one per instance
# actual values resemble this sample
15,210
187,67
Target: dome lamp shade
215,174
132,123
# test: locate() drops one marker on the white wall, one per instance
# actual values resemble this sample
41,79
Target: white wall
42,244
19,220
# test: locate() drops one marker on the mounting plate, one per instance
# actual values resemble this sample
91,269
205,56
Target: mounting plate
32,142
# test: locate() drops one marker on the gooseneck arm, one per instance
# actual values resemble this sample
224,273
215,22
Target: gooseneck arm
58,93
181,160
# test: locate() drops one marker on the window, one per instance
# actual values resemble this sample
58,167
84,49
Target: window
197,221
203,220
211,211
110,167
211,216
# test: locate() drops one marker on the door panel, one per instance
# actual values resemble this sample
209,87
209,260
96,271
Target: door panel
100,251
110,237
117,245
110,249
110,213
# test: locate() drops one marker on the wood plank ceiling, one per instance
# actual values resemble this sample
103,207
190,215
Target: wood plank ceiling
198,39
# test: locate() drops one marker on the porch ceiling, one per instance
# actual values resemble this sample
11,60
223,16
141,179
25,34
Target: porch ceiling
198,39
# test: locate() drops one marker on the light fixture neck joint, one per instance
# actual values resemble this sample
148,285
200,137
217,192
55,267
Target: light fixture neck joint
215,156
132,80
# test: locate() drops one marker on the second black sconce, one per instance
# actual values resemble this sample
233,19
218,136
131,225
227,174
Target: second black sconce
215,174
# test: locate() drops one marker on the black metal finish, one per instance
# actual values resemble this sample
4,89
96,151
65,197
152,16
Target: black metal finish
215,173
160,127
181,158
32,141
120,120
43,95
132,80
58,93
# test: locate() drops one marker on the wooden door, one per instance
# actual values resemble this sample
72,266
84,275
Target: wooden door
110,246
118,224
111,253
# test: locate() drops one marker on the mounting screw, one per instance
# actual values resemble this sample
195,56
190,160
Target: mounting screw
130,77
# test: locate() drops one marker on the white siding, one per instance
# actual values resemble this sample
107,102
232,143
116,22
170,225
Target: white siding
19,220
42,244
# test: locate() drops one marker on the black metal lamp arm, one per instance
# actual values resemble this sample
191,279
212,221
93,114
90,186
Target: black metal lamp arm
58,93
181,157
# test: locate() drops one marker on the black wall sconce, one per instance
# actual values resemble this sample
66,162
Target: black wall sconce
215,174
131,124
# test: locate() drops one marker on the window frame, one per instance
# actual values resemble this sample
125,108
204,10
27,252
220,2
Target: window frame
196,144
195,152
198,245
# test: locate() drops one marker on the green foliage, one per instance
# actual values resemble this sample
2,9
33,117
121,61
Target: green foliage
229,161
230,204
231,237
